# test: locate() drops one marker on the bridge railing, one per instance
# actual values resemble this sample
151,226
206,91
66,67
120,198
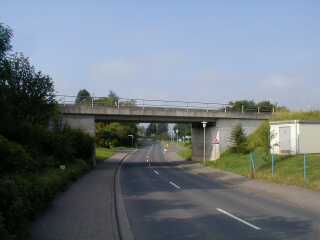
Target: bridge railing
157,103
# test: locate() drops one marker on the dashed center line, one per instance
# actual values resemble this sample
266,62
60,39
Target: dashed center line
175,185
239,219
156,172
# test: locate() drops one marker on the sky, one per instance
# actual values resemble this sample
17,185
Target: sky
212,51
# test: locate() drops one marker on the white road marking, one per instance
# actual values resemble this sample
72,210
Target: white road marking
156,172
175,185
239,219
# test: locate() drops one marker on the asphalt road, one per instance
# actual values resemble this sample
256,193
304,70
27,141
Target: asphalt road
164,202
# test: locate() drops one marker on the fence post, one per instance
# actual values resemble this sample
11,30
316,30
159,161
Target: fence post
273,163
225,109
305,167
242,108
252,165
118,104
258,109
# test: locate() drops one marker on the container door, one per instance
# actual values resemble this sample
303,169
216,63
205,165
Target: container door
284,139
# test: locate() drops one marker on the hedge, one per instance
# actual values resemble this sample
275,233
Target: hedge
23,196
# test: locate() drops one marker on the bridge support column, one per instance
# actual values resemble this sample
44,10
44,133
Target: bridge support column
84,123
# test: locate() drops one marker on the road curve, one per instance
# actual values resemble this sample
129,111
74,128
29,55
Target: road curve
164,202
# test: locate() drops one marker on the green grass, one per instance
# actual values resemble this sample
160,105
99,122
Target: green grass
103,153
186,151
289,169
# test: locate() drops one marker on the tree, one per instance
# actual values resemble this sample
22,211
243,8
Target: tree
163,130
159,130
238,140
28,94
5,38
83,96
184,129
151,129
111,100
250,105
115,134
266,106
245,105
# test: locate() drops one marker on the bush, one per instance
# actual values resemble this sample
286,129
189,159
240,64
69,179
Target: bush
14,158
260,138
23,196
4,234
238,140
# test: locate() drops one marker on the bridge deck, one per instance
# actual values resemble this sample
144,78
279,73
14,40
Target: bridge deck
156,114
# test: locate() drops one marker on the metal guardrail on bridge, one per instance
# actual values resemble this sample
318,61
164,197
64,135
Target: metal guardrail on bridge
157,103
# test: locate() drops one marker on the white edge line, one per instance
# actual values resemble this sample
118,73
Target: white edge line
239,219
175,185
156,172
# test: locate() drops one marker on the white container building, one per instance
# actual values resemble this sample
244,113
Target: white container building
294,137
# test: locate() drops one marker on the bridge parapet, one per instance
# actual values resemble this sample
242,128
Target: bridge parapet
155,114
102,105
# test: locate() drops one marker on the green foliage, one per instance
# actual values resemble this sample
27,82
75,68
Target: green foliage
185,152
14,158
28,95
111,100
184,129
250,105
23,196
30,151
83,96
238,140
159,130
115,134
312,115
4,234
5,37
103,153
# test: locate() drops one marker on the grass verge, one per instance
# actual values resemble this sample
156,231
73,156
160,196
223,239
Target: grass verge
103,153
185,151
288,169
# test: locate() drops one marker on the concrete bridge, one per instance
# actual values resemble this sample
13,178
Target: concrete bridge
220,122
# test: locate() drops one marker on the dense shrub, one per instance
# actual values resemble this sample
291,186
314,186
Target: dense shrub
14,158
4,234
23,196
30,151
238,140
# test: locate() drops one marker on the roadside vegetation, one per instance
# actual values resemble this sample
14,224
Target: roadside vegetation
103,153
288,169
39,156
185,151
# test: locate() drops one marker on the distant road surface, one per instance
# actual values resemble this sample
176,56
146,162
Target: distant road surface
164,202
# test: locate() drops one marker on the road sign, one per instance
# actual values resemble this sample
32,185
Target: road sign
215,141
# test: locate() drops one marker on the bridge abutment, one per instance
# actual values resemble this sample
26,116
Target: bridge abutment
218,136
84,123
